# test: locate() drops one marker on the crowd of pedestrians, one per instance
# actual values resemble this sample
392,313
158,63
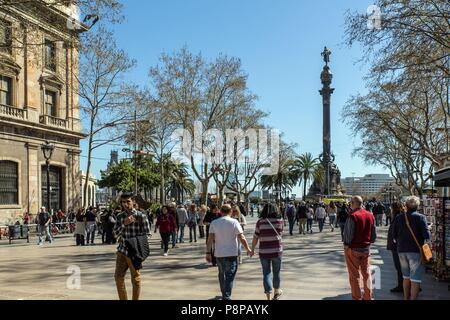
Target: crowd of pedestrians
223,230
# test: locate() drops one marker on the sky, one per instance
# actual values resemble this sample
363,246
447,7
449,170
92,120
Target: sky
279,44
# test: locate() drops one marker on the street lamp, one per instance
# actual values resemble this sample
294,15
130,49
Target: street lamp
48,149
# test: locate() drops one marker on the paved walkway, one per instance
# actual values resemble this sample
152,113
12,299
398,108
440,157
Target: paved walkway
313,269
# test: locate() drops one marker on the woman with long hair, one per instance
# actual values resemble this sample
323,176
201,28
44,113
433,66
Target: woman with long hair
332,213
268,231
166,224
236,214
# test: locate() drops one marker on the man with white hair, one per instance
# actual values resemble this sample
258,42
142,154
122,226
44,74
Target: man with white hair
44,220
410,232
359,234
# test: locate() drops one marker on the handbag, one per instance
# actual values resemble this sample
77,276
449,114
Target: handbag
425,250
278,235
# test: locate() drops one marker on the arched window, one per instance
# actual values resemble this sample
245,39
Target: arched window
9,183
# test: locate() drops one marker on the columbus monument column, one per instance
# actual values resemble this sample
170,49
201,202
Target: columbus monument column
331,184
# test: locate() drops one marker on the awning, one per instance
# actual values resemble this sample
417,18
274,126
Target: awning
442,178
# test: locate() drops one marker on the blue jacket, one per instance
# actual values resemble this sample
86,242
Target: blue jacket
402,235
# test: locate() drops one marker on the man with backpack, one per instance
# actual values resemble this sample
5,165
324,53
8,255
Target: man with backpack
290,214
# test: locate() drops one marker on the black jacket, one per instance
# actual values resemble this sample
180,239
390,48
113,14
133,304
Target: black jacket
138,250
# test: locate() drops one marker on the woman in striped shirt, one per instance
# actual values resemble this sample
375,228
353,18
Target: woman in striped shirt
268,233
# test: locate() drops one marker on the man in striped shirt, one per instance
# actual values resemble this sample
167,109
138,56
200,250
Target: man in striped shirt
268,232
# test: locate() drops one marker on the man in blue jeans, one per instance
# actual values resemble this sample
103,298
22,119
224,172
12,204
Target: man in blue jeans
44,222
226,233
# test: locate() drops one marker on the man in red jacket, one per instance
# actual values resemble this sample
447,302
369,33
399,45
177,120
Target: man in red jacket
359,234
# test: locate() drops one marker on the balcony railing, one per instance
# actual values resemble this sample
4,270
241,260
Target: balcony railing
54,122
12,112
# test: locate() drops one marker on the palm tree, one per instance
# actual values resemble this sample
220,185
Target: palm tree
307,168
178,180
284,179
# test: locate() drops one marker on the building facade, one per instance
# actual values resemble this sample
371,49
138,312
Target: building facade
38,103
368,186
91,200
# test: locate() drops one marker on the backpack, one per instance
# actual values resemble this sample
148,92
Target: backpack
291,212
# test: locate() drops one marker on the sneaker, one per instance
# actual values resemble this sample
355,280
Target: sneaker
278,295
166,254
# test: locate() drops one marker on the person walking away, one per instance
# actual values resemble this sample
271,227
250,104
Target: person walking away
44,219
201,225
211,215
182,220
109,227
268,231
302,217
91,222
378,211
236,214
166,224
193,218
291,216
342,218
388,214
104,223
80,227
309,219
397,209
173,212
321,215
332,214
225,234
411,233
359,234
130,224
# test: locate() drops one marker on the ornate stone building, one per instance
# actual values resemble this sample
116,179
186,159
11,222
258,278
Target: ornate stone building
38,102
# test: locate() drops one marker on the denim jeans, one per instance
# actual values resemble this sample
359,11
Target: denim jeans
309,224
91,236
174,238
271,274
411,265
321,223
44,232
332,221
227,272
291,225
181,232
193,230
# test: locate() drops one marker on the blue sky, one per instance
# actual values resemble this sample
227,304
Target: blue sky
279,43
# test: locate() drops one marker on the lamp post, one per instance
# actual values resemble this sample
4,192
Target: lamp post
48,149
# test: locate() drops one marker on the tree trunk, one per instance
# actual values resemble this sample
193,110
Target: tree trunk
88,169
205,184
162,193
304,187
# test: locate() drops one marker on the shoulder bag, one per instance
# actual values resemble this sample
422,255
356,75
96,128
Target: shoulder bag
278,235
425,250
